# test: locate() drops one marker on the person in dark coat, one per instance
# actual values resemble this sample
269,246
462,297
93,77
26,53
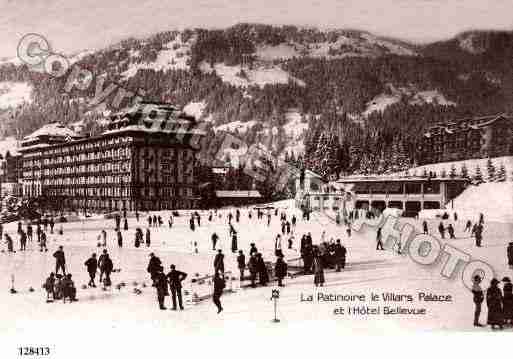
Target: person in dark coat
219,285
318,269
138,238
425,227
252,249
508,300
23,240
379,241
237,215
214,238
494,303
148,237
340,256
155,220
29,232
175,279
478,295
441,229
120,239
42,242
50,287
160,283
149,221
68,289
60,261
92,267
191,223
510,254
153,266
219,262
263,276
280,270
19,227
253,268
234,242
106,267
479,235
125,225
241,264
450,230
8,240
52,224
468,226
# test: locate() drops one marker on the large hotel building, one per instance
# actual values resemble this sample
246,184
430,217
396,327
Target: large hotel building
144,161
481,137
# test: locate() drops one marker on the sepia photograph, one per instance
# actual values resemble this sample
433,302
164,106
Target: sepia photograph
241,169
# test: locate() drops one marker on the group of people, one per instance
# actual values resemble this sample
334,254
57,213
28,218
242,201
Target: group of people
476,229
27,235
499,302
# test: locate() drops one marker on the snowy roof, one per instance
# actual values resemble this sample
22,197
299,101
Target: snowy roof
238,194
55,129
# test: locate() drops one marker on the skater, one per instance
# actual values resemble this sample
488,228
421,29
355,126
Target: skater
263,276
280,270
104,238
214,238
318,269
252,249
219,262
170,221
160,283
38,232
253,269
92,266
160,221
149,221
294,219
455,217
23,241
191,223
155,220
148,237
494,303
277,246
19,227
268,220
60,260
509,252
153,266
508,300
120,239
42,242
175,279
290,242
450,230
29,232
230,216
340,256
379,243
468,226
49,286
425,227
219,285
241,264
137,216
125,225
348,230
234,242
481,218
479,235
138,238
237,215
478,295
441,229
68,289
106,266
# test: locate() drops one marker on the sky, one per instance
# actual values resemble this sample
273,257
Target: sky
74,25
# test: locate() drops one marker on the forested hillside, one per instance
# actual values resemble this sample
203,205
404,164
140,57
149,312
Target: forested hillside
339,102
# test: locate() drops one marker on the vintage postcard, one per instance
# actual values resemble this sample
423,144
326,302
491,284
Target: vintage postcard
185,167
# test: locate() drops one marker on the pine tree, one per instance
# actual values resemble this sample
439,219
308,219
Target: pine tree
464,171
490,168
478,176
453,174
501,174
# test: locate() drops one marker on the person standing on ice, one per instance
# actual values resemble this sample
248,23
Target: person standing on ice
29,232
277,246
379,241
175,279
148,237
23,241
478,295
230,216
263,276
478,234
38,232
219,262
214,239
137,216
170,221
318,269
450,230
49,286
154,220
153,266
8,240
125,225
234,242
340,256
92,267
120,239
268,220
191,223
508,300
294,221
441,229
52,224
106,266
494,303
509,253
237,215
252,249
149,221
42,242
280,270
253,268
425,227
241,264
160,283
60,260
219,285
